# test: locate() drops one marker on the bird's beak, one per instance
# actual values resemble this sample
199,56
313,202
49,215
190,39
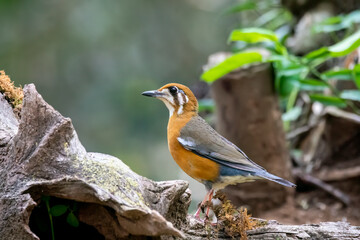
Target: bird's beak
153,93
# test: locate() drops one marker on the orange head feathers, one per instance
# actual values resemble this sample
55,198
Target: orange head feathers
177,98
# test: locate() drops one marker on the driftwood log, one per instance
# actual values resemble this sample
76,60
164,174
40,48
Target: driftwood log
40,154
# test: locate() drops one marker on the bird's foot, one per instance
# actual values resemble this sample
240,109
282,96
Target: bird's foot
204,210
207,221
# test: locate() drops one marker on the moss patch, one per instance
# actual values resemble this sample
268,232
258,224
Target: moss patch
14,95
234,222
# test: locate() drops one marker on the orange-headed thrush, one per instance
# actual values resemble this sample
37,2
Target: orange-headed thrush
199,150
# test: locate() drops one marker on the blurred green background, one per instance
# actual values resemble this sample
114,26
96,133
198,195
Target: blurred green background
92,59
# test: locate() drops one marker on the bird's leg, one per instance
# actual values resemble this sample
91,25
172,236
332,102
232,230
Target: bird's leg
211,192
197,213
207,198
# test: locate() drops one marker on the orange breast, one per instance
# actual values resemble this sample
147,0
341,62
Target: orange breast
195,166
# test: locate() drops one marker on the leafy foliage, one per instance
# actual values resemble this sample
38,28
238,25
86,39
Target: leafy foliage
230,64
271,14
57,211
339,22
339,49
350,95
328,100
295,74
72,220
256,35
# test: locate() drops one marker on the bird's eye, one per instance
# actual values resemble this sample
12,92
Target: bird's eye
173,89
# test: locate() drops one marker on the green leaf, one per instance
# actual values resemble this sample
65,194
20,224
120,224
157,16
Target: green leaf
58,210
339,49
312,85
328,100
328,28
253,35
292,114
257,35
268,17
72,220
290,105
330,25
292,71
292,97
341,74
230,64
285,85
249,5
288,75
319,53
350,95
351,18
338,22
345,46
332,20
356,75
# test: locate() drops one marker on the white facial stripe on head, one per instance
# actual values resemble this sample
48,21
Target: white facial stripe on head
169,106
180,110
168,96
169,100
182,99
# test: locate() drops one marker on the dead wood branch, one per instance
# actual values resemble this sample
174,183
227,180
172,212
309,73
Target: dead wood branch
338,174
344,198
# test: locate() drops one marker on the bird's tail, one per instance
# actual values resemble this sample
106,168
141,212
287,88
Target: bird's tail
276,179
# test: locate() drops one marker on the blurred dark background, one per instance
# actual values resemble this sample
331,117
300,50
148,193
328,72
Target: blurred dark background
92,59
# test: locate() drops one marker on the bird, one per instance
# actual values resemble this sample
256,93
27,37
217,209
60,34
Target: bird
200,151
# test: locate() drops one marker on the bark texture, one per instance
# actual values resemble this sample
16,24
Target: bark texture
247,114
274,230
42,155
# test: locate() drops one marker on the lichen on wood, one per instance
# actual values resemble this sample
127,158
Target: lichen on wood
42,155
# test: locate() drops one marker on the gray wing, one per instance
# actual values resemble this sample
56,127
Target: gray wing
200,138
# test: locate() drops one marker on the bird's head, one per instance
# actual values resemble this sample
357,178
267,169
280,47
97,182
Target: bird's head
178,98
